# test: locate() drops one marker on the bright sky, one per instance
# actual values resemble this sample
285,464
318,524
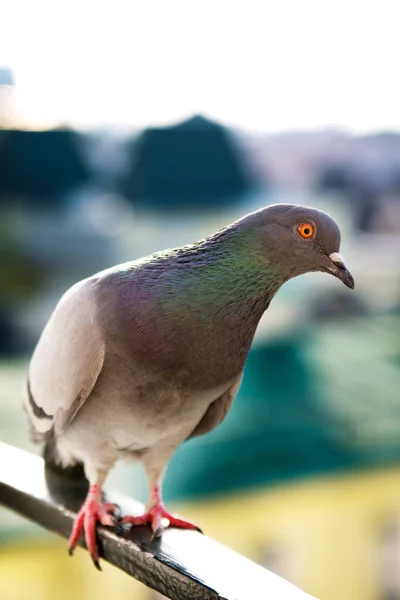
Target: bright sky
259,64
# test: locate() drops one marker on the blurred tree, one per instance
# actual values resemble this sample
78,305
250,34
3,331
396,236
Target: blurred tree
40,166
191,165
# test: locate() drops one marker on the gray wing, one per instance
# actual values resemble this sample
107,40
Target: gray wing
65,364
217,410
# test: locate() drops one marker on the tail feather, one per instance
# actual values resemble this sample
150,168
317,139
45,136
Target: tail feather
67,485
53,462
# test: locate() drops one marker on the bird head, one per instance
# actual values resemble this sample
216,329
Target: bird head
300,239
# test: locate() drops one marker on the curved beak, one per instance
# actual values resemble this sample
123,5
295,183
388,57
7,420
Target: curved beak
338,269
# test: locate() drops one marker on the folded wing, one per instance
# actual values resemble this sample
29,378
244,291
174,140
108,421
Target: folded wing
66,363
217,410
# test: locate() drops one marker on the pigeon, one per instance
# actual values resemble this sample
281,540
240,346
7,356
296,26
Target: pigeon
142,356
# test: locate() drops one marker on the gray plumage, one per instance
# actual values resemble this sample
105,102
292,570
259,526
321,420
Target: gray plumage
138,358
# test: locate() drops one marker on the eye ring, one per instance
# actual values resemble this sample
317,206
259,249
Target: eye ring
306,230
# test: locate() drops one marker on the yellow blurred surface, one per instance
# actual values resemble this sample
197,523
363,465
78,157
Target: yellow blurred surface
45,572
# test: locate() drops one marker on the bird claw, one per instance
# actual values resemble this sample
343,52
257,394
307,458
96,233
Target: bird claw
159,519
114,510
118,528
91,512
157,533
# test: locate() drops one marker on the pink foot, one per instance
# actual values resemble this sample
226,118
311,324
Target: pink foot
159,519
91,511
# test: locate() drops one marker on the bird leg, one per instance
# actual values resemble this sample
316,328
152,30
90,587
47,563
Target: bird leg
157,516
92,510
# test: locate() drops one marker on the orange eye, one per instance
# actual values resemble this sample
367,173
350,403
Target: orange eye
306,230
